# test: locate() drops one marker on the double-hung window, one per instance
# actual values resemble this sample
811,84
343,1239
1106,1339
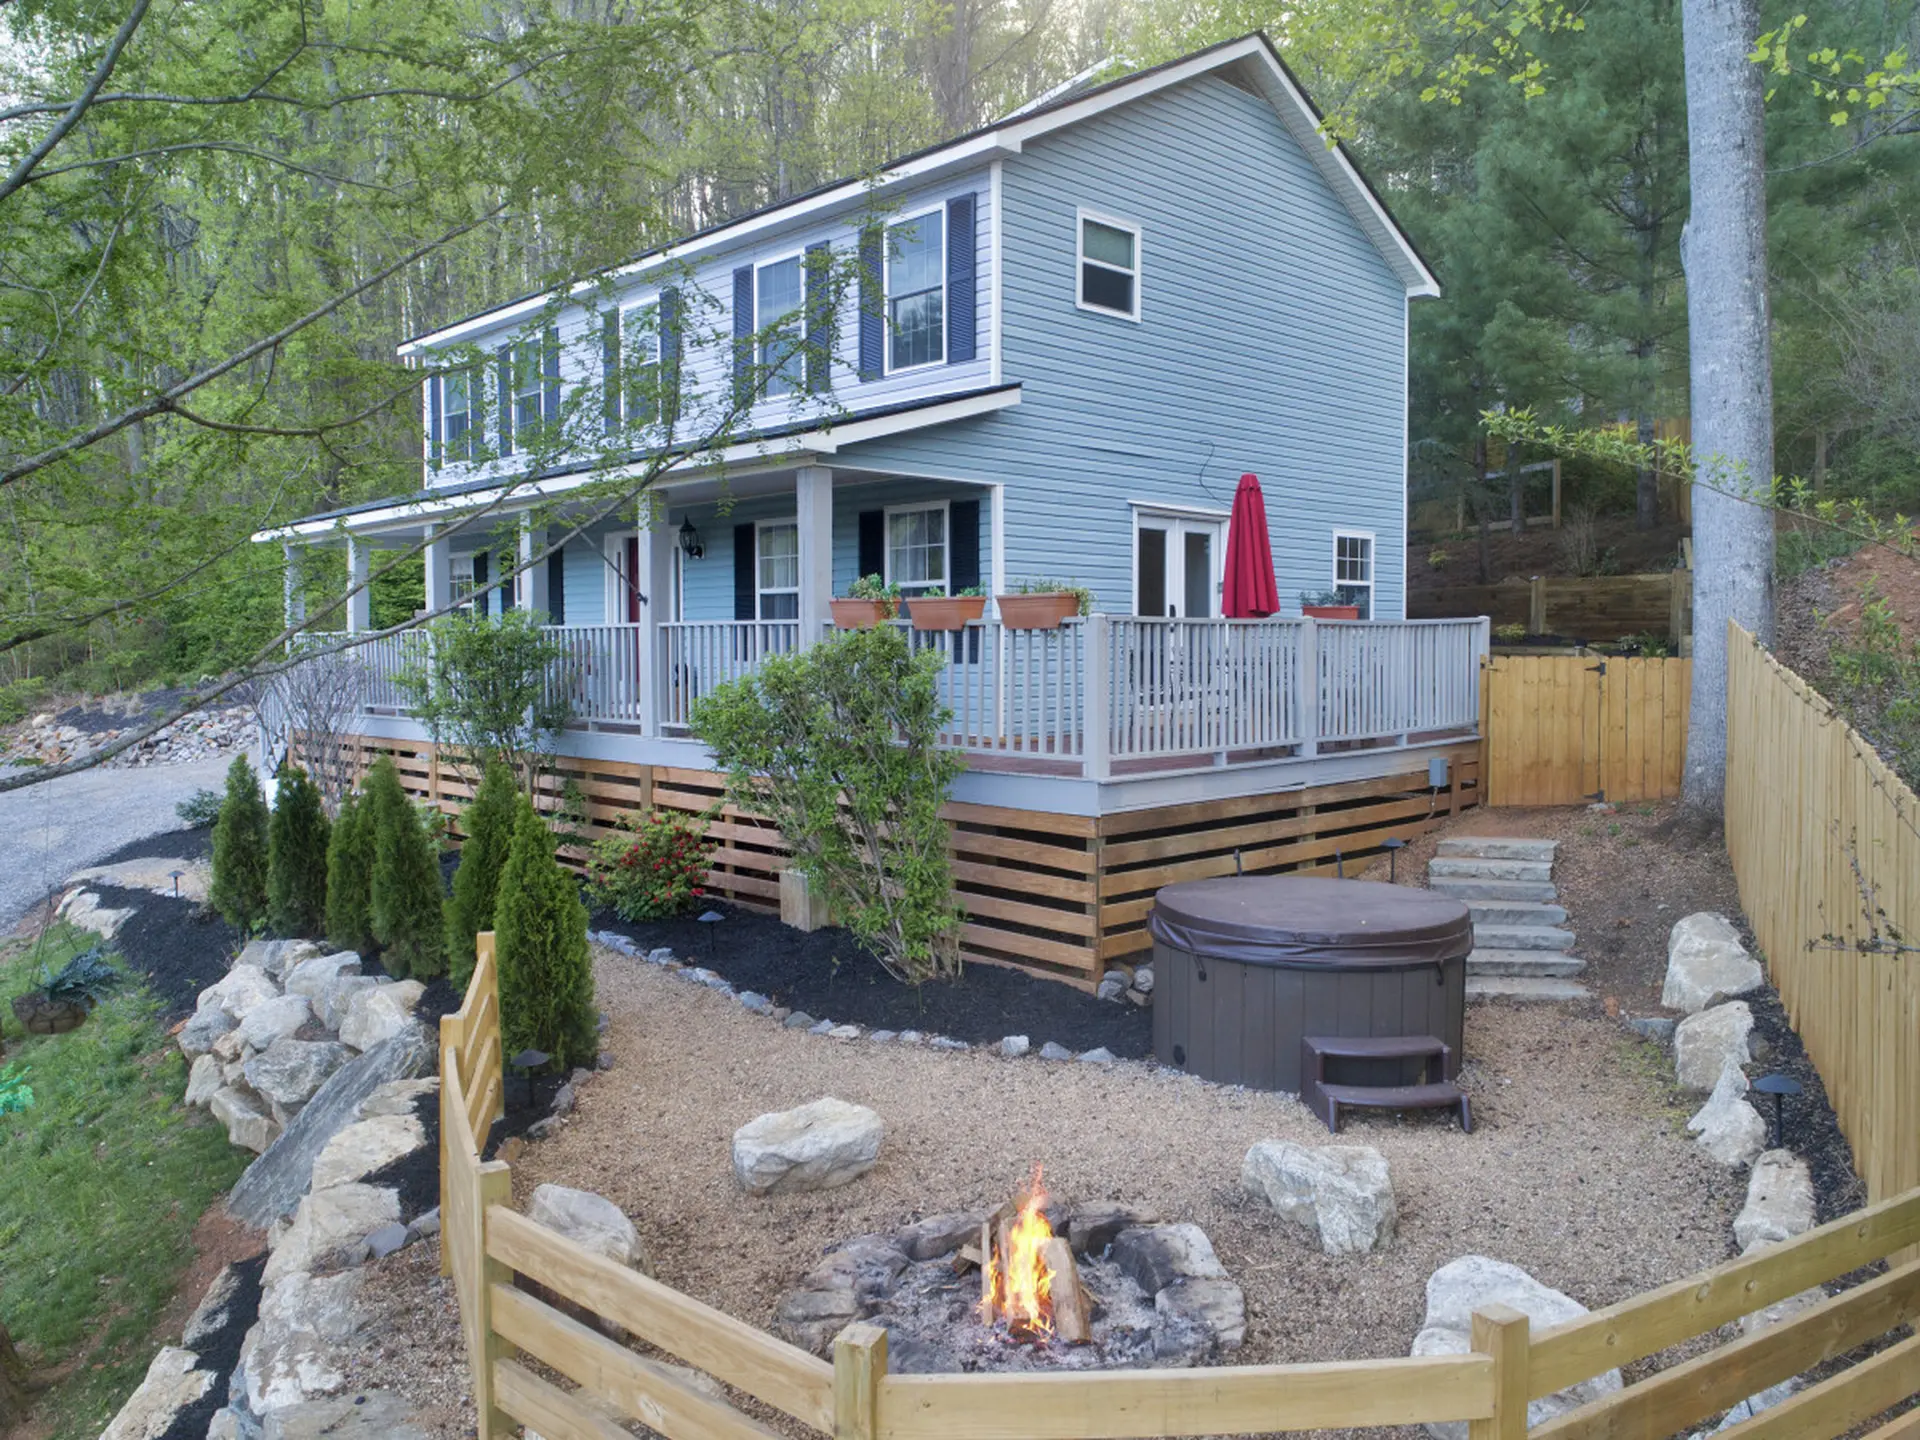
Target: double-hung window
917,548
777,569
457,417
780,300
1353,569
529,388
640,363
917,291
1109,266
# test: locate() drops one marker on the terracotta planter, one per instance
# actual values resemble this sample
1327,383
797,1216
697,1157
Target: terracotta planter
40,1016
1042,611
1331,612
860,614
945,612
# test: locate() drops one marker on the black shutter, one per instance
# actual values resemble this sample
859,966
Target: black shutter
509,582
550,367
873,299
743,337
434,402
873,542
480,605
746,593
669,357
557,588
506,400
963,524
610,369
819,318
960,287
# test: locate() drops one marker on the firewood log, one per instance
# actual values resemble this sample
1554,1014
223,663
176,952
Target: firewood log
1072,1316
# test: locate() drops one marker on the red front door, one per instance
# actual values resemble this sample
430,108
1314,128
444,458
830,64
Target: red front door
632,574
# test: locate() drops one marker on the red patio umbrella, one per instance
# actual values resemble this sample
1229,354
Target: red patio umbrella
1250,593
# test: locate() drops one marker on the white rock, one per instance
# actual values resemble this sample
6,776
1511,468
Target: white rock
1781,1311
1727,1127
380,1013
1218,1304
1014,1046
247,1124
1472,1282
1706,964
289,1071
359,1149
592,1221
328,1225
203,1081
242,988
398,1097
1704,1044
274,1020
317,973
330,1005
1779,1204
85,909
819,1146
203,1030
278,957
296,1351
1342,1193
172,1383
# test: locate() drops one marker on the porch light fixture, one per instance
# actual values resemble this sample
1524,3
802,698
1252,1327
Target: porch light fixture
690,543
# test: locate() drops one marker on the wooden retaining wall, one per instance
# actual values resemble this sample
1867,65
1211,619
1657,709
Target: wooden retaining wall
1599,609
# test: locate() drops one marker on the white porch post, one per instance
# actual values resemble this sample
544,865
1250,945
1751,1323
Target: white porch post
1097,688
1309,687
439,566
359,597
532,584
652,578
813,494
293,598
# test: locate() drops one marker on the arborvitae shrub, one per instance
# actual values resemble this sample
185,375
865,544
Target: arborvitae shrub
239,886
540,937
350,877
297,857
405,895
488,823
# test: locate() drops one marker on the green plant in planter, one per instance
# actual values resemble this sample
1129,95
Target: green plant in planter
239,886
1081,594
872,587
1511,634
1323,597
85,979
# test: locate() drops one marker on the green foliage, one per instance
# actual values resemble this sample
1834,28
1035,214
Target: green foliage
405,900
488,825
15,1094
486,697
200,808
350,877
87,977
1876,677
872,587
297,845
239,887
837,746
1056,587
546,969
652,869
19,699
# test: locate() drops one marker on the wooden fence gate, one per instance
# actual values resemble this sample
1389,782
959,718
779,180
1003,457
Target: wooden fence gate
1569,729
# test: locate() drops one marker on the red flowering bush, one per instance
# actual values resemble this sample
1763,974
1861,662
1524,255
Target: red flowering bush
653,869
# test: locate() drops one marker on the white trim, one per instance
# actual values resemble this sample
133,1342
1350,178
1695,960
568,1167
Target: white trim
1181,512
1406,454
887,367
997,531
907,507
993,271
760,590
1342,532
613,594
1080,261
1179,520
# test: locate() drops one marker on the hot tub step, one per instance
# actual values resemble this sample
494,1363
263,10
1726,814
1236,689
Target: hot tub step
1524,987
1467,867
1436,1095
1465,888
1522,937
1514,912
1542,964
1489,847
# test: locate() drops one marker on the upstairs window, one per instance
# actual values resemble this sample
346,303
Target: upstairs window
917,547
637,385
457,417
529,389
1109,266
917,291
777,558
1353,569
779,297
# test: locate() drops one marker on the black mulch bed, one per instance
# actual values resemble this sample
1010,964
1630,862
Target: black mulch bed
93,716
828,975
1812,1130
220,1353
416,1176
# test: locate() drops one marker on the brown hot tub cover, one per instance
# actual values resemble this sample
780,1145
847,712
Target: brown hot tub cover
1299,921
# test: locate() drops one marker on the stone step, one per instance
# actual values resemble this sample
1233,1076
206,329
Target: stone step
1524,987
1521,937
1515,912
1490,847
1546,964
1467,867
1461,887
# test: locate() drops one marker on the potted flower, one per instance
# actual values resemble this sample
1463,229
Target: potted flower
1042,604
63,1001
869,601
1327,605
936,610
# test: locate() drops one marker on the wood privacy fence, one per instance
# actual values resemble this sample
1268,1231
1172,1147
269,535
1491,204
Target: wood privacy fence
517,1342
1569,729
1825,847
1599,609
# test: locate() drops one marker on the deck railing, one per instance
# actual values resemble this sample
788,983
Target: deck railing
698,656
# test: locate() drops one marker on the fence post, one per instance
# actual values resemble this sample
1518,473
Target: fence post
1537,605
453,1034
1309,686
1098,697
1500,1332
859,1365
492,1185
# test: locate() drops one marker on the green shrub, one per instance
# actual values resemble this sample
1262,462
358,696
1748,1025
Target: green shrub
350,877
654,869
200,808
297,839
487,694
239,887
836,745
540,938
488,823
404,898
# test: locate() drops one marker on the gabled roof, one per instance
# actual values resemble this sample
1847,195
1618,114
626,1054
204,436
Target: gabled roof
1258,63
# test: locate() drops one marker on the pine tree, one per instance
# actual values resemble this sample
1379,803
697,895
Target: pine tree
350,877
405,893
488,823
239,886
297,844
540,931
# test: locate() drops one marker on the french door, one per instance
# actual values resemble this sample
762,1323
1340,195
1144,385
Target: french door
1177,566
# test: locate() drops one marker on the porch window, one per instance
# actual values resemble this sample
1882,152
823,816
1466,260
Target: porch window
779,294
777,559
1353,569
457,417
1109,266
917,291
917,547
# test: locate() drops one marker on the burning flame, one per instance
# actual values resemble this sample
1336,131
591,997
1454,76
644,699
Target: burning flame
1021,1282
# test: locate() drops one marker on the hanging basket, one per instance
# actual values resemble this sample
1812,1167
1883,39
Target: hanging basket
40,1016
1045,610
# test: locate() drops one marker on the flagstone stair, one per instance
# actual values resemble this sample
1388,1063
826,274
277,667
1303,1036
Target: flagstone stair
1521,948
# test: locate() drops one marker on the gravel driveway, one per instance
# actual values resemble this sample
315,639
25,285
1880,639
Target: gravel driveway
50,830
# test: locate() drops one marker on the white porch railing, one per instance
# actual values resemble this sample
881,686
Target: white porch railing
1203,686
601,670
698,655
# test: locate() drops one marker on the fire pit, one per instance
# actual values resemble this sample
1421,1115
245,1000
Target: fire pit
1032,1286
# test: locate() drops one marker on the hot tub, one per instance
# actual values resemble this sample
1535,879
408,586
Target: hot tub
1243,968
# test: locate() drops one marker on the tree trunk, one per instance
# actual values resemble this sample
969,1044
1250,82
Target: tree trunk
1724,252
13,1384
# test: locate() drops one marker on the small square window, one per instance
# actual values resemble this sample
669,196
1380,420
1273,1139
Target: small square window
1110,267
1353,569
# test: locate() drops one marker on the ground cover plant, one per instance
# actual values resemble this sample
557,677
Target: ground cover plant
102,1180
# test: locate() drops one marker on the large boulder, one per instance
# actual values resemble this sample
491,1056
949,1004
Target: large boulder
316,973
248,1124
278,957
1473,1282
380,1013
1157,1255
239,990
1341,1193
328,1228
173,1382
295,1352
819,1146
364,1147
1707,964
330,1005
1727,1127
289,1071
1704,1044
848,1284
203,1031
1779,1201
592,1221
274,1183
204,1081
274,1020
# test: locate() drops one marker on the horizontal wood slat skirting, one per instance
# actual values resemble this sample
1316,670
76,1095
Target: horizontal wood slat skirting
1058,895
